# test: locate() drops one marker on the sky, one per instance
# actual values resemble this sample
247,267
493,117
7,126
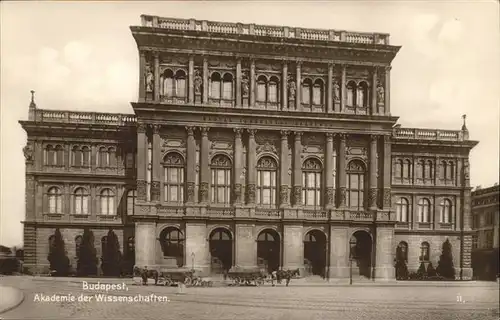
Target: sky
81,56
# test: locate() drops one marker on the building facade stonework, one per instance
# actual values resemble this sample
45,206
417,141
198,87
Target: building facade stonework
252,147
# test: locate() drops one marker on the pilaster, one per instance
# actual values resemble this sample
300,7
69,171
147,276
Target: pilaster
342,89
238,152
330,198
141,161
373,173
142,76
157,76
191,79
387,91
156,164
284,87
374,91
342,171
191,165
251,164
204,165
297,169
205,80
298,93
252,83
284,179
329,92
386,203
238,83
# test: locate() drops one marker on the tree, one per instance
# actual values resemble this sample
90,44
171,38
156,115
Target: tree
401,267
445,266
421,272
431,272
87,258
111,257
59,262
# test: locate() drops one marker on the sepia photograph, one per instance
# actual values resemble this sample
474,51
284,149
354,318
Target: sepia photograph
250,160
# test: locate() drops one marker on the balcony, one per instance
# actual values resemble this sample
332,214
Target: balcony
50,116
265,30
429,134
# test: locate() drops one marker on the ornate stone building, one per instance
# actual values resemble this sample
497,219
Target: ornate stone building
485,222
252,146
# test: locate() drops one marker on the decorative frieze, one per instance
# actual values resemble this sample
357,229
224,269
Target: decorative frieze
204,192
190,187
155,191
284,190
141,190
297,195
387,198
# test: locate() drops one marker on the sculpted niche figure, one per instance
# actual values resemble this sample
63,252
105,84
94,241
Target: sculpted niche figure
149,80
28,152
380,94
197,82
292,88
245,85
336,91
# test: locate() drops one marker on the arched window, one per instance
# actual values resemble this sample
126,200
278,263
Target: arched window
351,86
81,201
59,155
317,95
107,202
446,210
50,155
112,157
362,95
77,156
402,209
424,210
172,244
272,90
78,245
168,83
173,183
131,196
356,184
227,87
306,91
261,89
402,251
180,84
424,251
450,171
266,181
215,81
85,156
311,182
103,157
55,200
420,169
221,179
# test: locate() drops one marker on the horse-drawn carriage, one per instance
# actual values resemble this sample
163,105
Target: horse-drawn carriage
247,277
171,277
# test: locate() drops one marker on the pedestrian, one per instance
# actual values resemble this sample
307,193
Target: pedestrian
145,276
274,276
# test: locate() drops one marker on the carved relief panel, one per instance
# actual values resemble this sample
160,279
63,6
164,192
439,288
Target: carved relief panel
265,67
313,144
356,147
221,141
267,143
173,140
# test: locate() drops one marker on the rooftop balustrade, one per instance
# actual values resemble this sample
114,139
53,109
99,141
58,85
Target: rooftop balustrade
41,115
430,134
265,30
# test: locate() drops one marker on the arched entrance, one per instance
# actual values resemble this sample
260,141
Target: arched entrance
362,253
268,250
315,253
221,250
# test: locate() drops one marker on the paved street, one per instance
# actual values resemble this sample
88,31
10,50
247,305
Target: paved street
473,301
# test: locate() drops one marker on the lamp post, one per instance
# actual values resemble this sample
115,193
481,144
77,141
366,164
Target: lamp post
192,260
352,244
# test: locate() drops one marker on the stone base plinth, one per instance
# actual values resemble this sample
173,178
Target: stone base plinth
385,273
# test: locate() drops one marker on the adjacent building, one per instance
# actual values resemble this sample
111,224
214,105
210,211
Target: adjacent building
251,146
486,216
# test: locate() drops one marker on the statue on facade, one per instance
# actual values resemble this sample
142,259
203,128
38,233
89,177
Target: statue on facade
292,87
336,91
380,94
245,85
149,80
28,152
198,81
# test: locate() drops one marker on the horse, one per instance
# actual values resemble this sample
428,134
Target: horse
287,275
146,274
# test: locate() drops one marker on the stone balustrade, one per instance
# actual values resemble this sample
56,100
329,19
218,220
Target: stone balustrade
48,116
429,134
264,30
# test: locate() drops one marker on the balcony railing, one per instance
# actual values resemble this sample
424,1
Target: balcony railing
429,134
42,115
264,30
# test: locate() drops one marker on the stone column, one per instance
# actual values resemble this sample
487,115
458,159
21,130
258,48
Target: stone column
297,170
245,246
386,203
191,79
157,76
329,88
251,167
145,244
342,171
330,199
191,165
384,257
372,198
284,87
204,165
142,76
252,83
156,164
387,90
238,83
339,252
285,183
197,247
142,150
298,93
374,91
342,89
205,81
293,253
238,152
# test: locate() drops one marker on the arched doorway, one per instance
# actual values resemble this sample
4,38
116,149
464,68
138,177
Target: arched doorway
315,253
172,246
362,253
221,250
268,250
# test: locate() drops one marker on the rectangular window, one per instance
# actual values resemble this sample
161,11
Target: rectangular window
169,87
316,95
306,95
181,88
215,92
228,90
273,92
261,92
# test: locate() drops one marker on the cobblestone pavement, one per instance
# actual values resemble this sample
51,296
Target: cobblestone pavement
290,303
